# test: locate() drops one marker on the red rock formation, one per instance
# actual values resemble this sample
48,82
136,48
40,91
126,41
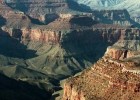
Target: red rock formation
39,9
73,94
14,18
53,32
119,53
109,79
104,81
45,36
41,35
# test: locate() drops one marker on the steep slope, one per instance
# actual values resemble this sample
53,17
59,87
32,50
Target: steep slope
44,54
114,77
46,43
108,79
39,10
45,11
13,18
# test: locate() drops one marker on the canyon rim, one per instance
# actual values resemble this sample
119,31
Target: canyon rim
69,50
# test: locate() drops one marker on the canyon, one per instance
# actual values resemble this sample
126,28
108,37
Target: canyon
47,42
115,76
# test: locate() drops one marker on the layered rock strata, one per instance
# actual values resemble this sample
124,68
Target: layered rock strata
113,77
39,9
108,79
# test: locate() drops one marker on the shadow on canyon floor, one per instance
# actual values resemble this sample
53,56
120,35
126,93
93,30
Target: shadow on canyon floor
75,6
11,47
11,89
85,46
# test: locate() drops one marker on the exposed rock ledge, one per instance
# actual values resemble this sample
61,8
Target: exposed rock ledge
106,80
119,53
34,34
107,35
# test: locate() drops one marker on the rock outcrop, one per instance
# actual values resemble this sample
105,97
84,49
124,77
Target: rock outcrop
39,9
40,35
14,18
113,77
46,10
118,17
120,53
45,42
67,44
107,80
67,41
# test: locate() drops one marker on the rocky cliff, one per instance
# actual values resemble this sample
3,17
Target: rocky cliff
14,18
44,54
40,35
45,10
113,77
39,9
68,45
65,45
127,46
118,17
41,45
107,80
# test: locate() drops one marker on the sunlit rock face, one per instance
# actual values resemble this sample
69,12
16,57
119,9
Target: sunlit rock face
107,80
45,11
115,76
39,9
127,46
46,42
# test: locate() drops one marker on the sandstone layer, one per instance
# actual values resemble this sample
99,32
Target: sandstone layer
108,79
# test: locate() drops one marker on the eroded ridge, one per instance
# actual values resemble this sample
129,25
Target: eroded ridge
108,79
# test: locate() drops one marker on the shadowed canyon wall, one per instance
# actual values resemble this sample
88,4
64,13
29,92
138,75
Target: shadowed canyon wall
114,77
